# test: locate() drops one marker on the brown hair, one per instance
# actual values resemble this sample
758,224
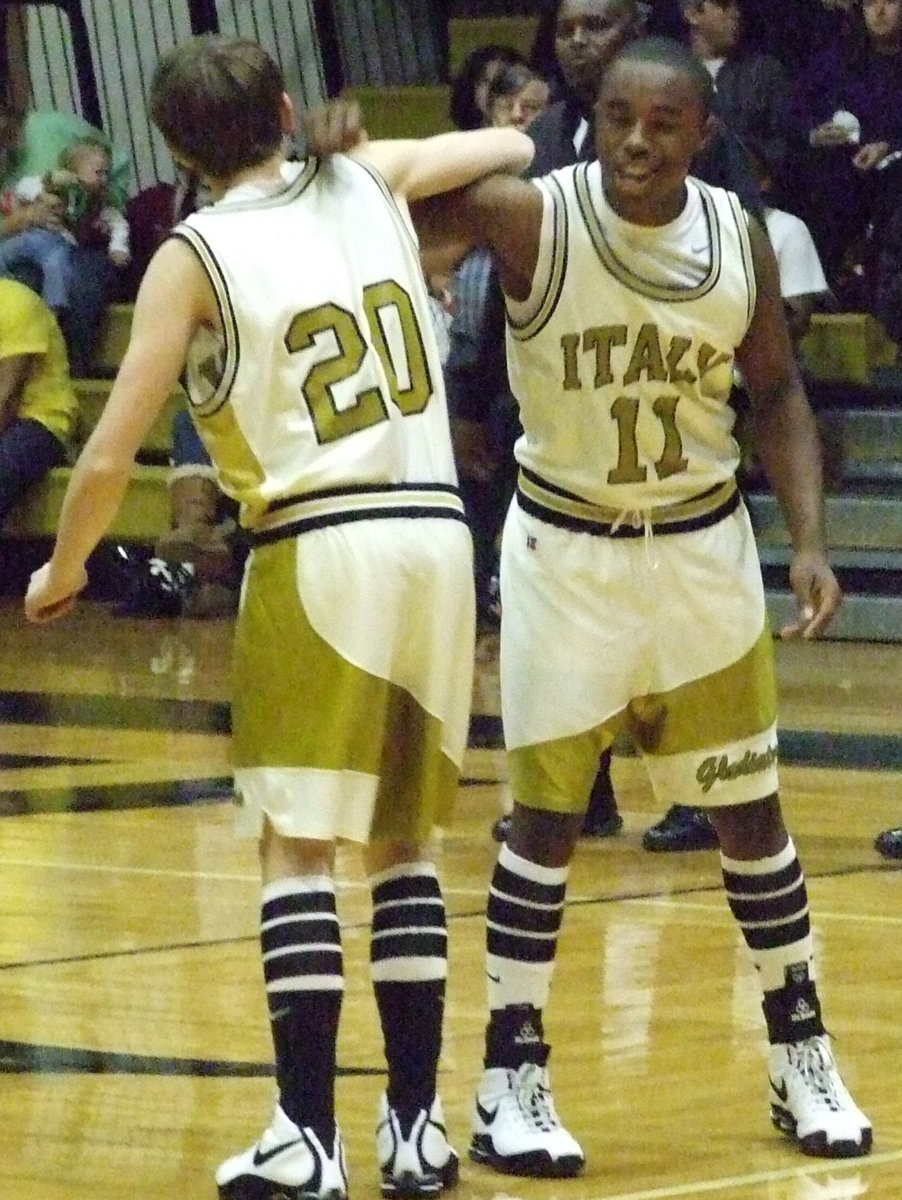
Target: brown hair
217,102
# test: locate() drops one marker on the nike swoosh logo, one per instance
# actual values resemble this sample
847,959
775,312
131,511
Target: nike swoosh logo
494,978
486,1115
261,1156
782,1091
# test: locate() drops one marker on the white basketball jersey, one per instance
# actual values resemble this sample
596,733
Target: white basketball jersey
621,358
326,381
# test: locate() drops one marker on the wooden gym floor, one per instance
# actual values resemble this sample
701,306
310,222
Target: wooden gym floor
134,1049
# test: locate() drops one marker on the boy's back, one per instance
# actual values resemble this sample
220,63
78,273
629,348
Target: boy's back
327,373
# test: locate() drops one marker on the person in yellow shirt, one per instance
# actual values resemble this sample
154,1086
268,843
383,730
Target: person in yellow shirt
38,405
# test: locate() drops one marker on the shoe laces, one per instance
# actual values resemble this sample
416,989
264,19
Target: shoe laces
534,1099
814,1062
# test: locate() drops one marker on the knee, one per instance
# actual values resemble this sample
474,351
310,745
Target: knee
751,831
546,838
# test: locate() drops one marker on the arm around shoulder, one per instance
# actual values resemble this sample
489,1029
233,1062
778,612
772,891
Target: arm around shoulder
414,169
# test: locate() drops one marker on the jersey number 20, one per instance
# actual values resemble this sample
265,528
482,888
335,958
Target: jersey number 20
382,301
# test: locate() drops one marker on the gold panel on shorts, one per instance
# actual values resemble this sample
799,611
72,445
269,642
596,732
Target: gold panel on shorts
299,704
706,714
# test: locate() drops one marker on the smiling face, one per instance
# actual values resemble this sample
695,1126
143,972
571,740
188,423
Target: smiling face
650,122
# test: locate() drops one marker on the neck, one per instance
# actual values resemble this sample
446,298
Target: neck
267,172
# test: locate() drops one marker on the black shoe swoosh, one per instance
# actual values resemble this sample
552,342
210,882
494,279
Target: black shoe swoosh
263,1156
782,1091
487,1116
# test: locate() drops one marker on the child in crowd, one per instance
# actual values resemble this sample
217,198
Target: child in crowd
48,258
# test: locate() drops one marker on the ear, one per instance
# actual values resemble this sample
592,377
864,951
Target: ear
286,114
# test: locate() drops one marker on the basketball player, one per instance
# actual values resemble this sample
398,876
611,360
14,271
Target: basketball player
298,302
631,594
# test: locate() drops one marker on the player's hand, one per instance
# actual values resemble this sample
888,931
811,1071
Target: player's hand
51,595
333,128
818,594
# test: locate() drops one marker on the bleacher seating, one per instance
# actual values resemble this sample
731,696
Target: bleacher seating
852,365
849,359
144,514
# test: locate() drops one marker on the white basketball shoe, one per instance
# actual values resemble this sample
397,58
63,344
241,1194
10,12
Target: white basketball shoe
810,1103
516,1129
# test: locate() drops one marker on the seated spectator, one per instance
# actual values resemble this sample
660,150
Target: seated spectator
30,145
469,88
803,289
803,284
751,87
78,190
151,214
847,107
195,569
516,96
38,406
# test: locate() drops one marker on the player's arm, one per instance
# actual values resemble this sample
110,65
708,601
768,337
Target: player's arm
787,443
502,213
172,302
423,167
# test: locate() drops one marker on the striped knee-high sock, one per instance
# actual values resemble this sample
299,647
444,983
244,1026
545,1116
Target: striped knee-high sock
302,966
409,967
523,920
769,899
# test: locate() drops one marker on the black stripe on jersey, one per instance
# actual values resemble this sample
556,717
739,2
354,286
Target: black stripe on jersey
360,489
229,324
390,197
741,219
676,293
307,524
607,529
537,317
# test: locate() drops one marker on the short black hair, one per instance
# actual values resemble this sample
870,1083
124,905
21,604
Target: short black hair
670,53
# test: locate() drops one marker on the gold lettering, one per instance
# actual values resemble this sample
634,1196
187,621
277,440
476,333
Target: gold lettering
602,339
719,769
646,357
570,347
709,358
676,350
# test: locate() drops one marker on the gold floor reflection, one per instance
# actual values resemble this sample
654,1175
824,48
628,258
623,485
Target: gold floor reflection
132,1034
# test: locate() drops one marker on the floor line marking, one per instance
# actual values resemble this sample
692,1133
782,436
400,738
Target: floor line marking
732,1183
818,915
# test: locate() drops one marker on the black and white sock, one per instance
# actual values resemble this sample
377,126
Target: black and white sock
409,967
302,966
769,899
523,920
